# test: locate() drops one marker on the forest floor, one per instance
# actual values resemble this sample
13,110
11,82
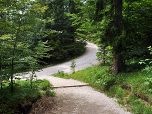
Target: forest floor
74,97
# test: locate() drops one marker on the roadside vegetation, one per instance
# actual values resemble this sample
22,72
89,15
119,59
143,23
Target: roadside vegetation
23,97
132,87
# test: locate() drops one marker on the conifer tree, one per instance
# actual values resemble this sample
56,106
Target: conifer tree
63,37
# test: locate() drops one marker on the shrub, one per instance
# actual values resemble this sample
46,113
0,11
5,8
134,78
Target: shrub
50,93
106,81
73,65
45,83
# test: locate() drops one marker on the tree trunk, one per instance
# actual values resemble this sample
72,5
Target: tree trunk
13,56
104,53
118,63
115,63
12,72
117,59
1,86
118,15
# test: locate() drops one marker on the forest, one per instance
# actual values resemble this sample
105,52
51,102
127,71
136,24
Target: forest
38,32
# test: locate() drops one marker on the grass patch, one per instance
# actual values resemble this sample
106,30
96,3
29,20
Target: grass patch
132,88
21,100
50,93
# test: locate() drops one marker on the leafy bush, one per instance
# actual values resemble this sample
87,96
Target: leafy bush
73,65
61,74
148,82
45,83
106,81
105,54
148,68
50,93
100,74
148,62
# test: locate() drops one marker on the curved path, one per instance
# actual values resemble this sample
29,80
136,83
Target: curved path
86,60
79,100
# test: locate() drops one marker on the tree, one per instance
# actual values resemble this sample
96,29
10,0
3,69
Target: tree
63,37
19,23
118,27
118,61
102,17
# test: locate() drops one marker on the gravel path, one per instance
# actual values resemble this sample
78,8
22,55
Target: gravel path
84,100
79,100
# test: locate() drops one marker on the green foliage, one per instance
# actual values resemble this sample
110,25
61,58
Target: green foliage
138,107
50,93
95,76
136,16
118,92
45,84
61,74
22,97
104,54
148,82
65,51
106,81
148,68
97,23
62,39
21,46
148,62
73,65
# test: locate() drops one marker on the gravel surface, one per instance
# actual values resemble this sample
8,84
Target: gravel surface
84,100
79,100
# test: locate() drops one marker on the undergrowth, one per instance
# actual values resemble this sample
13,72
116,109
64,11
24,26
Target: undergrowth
20,101
132,87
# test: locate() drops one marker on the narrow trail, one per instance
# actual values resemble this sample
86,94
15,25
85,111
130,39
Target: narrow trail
72,99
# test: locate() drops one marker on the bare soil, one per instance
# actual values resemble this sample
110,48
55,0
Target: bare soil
45,105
